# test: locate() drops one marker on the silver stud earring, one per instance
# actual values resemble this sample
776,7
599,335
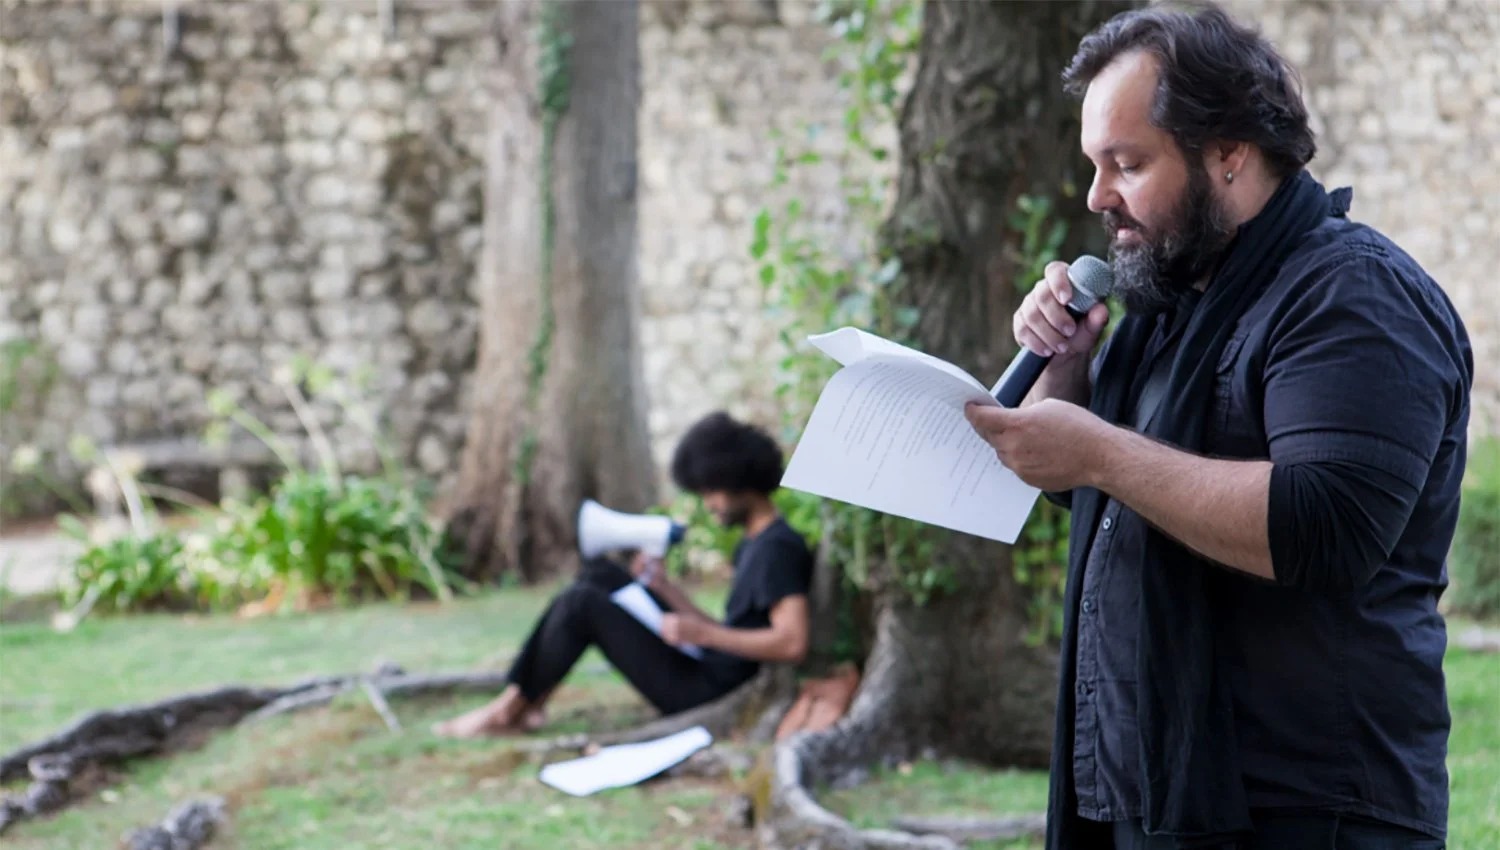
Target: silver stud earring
1229,177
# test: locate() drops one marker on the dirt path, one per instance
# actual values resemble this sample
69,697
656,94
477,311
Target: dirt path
33,557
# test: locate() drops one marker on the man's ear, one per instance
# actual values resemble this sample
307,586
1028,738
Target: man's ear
1223,158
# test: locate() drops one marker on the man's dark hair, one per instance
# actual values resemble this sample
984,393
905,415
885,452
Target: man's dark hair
1219,80
719,453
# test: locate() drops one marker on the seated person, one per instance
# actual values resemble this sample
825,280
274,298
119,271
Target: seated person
734,468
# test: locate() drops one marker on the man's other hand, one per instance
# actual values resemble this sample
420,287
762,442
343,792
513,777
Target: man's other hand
1051,445
679,629
649,570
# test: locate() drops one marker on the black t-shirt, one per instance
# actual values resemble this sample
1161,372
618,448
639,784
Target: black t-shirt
768,567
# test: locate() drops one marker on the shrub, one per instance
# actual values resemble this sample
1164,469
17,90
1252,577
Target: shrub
350,538
131,573
1474,562
318,533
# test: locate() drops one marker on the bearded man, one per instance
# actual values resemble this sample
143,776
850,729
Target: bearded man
1263,466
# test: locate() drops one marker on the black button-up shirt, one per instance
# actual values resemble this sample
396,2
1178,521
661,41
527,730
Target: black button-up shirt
1107,622
1351,374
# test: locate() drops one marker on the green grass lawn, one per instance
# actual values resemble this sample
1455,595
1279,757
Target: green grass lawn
337,778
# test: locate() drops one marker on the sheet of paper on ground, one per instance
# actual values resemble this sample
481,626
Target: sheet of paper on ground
626,764
889,433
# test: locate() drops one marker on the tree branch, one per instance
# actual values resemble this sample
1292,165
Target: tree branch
975,829
187,827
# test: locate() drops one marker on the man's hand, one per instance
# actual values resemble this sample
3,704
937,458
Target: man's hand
651,571
679,629
1044,325
1217,508
1051,445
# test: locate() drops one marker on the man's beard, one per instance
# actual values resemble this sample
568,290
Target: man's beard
1152,273
735,514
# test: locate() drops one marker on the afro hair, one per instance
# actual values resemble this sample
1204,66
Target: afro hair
719,453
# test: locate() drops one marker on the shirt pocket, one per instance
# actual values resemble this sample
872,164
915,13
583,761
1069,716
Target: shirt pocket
1233,429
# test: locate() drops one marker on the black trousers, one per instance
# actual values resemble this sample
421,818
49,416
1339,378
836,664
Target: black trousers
1294,832
583,615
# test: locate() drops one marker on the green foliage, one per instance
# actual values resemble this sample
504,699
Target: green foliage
811,289
354,538
132,573
803,512
1041,238
28,372
1040,562
1474,563
705,546
318,532
1040,559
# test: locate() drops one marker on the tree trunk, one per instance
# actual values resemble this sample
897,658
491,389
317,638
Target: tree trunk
558,405
986,122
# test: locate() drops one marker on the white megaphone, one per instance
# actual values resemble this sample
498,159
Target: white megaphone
602,530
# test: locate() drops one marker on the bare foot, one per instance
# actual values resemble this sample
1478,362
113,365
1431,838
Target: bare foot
534,719
508,714
492,719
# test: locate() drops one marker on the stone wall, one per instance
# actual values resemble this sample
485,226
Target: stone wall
279,179
723,85
179,213
1406,101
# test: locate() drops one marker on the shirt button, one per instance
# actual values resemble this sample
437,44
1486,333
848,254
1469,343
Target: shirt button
1109,522
1083,688
1088,605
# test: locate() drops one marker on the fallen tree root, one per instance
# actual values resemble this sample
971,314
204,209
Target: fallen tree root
48,791
117,735
885,724
797,822
975,829
389,682
189,826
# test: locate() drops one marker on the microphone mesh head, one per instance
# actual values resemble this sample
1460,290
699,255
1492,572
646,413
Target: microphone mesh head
1092,280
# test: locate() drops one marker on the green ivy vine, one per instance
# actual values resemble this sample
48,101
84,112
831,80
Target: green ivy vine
811,289
554,83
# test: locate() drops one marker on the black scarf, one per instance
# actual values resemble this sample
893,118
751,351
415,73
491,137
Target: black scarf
1189,762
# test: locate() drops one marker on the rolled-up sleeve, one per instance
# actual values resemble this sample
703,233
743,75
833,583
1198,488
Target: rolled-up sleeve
1358,393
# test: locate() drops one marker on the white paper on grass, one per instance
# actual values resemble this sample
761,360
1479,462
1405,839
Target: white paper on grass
625,764
889,433
635,600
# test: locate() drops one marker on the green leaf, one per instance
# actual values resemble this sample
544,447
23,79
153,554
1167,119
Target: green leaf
221,403
762,235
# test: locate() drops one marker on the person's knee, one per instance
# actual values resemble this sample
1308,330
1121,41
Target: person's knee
604,573
602,564
580,600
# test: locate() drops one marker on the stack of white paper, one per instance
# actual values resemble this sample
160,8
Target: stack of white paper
889,433
626,764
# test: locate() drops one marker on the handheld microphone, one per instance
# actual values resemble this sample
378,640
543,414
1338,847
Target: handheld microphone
1092,281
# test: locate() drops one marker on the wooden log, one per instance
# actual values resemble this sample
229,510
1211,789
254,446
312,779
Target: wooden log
189,826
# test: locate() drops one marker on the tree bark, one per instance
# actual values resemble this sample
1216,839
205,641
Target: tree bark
985,123
559,409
